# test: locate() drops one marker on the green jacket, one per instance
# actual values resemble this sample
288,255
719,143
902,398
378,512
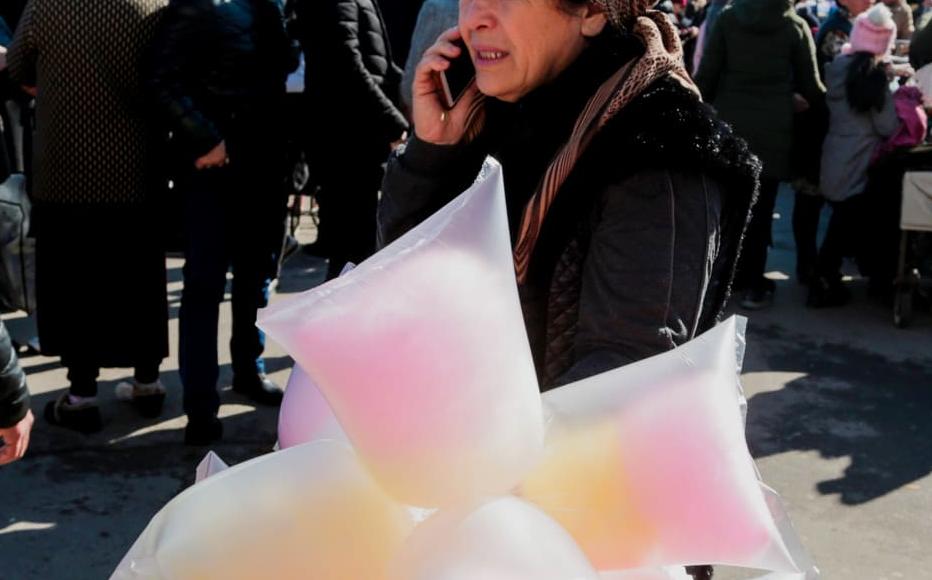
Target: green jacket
759,53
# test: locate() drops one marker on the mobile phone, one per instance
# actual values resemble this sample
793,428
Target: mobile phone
458,76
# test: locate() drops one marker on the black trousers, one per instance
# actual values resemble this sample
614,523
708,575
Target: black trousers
753,260
348,200
234,219
844,237
807,210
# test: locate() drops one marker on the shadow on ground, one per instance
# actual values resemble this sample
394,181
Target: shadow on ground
849,403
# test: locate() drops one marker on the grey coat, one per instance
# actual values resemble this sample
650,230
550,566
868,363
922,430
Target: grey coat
852,136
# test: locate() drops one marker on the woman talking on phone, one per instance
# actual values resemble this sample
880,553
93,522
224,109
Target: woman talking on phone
627,197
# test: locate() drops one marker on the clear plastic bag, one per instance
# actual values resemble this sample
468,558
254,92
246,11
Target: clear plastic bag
422,354
302,513
647,465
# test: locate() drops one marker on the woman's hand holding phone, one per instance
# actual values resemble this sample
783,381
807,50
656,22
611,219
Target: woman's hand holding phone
433,121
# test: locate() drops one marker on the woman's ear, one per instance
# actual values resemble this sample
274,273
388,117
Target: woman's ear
593,20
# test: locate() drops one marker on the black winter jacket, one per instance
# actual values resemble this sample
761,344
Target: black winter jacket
14,398
214,61
352,84
637,253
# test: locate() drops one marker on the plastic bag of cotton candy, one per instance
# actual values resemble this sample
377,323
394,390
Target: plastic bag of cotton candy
420,391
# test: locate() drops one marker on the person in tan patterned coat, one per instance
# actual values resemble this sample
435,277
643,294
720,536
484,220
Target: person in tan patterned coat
100,275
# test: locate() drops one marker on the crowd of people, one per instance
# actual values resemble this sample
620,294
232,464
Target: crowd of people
643,145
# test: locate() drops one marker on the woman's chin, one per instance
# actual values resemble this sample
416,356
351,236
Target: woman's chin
497,90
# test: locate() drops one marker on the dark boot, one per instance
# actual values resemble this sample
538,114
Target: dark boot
827,293
259,388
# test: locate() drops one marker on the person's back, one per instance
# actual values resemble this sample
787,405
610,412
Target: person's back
93,187
764,55
352,91
87,68
759,56
351,80
853,135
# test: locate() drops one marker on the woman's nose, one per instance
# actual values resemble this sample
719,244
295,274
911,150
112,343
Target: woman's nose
477,14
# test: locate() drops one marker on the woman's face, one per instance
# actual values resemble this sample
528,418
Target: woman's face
519,45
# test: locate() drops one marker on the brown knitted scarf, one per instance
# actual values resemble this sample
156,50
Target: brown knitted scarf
663,56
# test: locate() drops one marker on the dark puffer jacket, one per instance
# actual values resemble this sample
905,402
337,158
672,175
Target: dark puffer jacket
213,61
352,84
14,398
637,253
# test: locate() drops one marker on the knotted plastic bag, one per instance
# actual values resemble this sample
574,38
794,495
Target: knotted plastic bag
422,354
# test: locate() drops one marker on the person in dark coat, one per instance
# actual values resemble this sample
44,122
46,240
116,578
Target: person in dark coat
625,233
352,90
218,77
593,288
15,417
100,267
758,67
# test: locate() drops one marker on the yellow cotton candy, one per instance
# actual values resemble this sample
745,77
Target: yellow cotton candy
310,511
582,484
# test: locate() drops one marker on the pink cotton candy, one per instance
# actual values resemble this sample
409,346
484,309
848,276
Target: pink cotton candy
422,354
651,458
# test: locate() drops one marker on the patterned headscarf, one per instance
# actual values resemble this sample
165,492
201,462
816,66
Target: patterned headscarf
622,13
663,57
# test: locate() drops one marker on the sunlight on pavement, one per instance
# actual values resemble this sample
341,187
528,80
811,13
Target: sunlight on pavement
177,422
762,382
26,527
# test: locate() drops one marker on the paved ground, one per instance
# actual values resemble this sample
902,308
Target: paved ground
840,420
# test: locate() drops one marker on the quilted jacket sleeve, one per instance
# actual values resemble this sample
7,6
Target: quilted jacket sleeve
14,398
349,58
420,179
168,71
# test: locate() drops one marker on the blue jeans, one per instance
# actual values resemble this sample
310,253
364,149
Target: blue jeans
233,217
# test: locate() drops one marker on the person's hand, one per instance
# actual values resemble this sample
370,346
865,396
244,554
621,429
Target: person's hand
31,91
400,141
903,70
800,104
16,439
216,157
433,123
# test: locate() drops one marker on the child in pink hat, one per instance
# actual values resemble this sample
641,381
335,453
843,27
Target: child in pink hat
874,32
862,116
